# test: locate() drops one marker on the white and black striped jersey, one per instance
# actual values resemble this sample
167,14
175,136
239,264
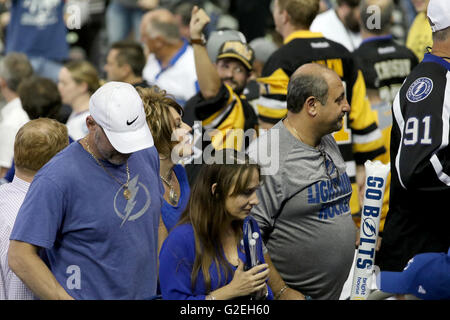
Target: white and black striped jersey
419,207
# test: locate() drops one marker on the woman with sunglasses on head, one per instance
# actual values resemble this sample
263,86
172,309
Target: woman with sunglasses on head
203,257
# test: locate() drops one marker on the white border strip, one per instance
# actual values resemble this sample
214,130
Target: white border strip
271,103
366,138
437,166
400,123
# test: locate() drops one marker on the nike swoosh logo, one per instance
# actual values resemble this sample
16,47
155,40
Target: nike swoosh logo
129,123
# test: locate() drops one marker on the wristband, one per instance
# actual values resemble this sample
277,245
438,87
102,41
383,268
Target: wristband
278,295
200,41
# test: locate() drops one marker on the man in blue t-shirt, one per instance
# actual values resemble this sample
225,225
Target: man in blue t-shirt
37,28
94,209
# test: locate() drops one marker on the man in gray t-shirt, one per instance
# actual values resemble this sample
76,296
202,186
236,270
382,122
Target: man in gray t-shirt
304,212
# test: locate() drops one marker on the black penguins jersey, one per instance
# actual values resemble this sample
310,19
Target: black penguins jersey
385,65
418,216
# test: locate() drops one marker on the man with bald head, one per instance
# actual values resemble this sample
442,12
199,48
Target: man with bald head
170,57
304,212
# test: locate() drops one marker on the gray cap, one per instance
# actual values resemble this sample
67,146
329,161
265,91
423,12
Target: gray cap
217,38
263,48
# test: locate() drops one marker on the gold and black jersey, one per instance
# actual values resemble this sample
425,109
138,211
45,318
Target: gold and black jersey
359,139
227,119
224,121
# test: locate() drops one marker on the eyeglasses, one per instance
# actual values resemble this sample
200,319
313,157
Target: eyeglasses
330,167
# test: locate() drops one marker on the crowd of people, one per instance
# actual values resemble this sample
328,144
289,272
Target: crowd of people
130,159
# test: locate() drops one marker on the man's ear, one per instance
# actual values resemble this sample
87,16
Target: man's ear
85,86
213,189
127,69
159,41
311,106
285,16
90,122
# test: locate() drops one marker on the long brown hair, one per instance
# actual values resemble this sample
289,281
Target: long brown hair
206,212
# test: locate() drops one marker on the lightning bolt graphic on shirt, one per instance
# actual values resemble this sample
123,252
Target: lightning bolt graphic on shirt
132,186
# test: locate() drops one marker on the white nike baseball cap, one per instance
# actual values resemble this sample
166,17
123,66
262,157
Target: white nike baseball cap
118,109
438,12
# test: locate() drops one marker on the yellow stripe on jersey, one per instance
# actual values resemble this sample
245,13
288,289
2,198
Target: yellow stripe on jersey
333,64
216,116
386,134
302,34
276,83
361,115
355,206
229,132
367,148
271,112
344,135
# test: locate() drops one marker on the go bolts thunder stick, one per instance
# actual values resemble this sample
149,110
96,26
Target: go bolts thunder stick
376,173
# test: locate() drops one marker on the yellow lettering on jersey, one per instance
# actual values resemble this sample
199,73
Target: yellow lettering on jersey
333,64
343,136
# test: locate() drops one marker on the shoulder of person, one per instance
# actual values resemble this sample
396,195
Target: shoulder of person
321,17
151,153
181,235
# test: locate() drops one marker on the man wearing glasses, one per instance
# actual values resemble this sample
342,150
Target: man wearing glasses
304,212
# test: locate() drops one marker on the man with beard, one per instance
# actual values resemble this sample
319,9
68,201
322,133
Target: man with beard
340,24
224,113
94,209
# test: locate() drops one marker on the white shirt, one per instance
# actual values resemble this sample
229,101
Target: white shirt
76,125
179,79
332,28
12,118
11,198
